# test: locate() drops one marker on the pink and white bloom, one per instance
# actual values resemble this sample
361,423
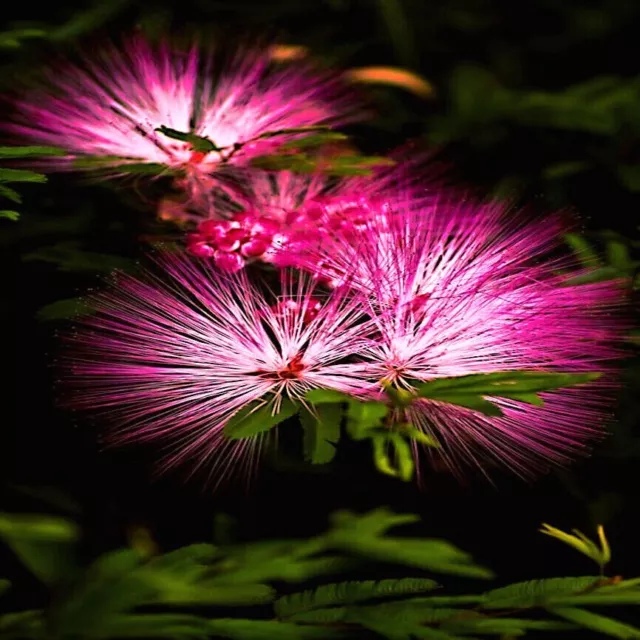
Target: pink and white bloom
111,104
173,356
461,289
287,214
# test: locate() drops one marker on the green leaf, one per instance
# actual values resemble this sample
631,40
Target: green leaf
292,131
5,585
362,417
21,625
12,39
630,176
198,143
316,140
20,175
128,165
89,19
362,536
10,215
29,152
401,455
321,432
349,592
113,584
400,30
65,309
10,194
596,622
401,620
535,593
45,544
157,625
523,386
504,626
258,417
583,249
268,630
327,396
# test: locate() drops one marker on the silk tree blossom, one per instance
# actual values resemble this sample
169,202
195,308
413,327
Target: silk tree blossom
171,357
287,214
112,104
462,289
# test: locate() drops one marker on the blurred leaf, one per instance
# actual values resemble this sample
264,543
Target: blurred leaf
10,215
362,536
504,626
400,30
402,620
349,592
596,622
20,175
198,143
401,455
157,625
315,140
112,585
321,432
45,544
5,585
28,152
630,176
21,625
258,417
13,39
10,194
564,169
583,249
534,593
65,309
88,20
523,386
268,630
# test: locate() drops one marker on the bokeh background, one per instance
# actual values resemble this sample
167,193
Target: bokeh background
537,102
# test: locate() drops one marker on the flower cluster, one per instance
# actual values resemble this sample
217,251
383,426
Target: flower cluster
380,279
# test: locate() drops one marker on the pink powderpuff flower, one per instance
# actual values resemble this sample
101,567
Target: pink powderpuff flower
287,214
463,289
172,357
112,104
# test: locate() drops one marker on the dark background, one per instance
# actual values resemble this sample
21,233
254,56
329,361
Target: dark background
503,113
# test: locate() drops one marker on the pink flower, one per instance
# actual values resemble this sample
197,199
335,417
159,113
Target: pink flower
112,104
173,356
459,289
286,215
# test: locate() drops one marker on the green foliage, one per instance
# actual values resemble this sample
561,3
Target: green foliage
349,592
44,544
258,417
524,386
198,143
111,598
65,309
321,432
596,622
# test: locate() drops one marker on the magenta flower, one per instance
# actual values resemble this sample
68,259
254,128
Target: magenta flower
458,289
288,214
112,105
173,357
